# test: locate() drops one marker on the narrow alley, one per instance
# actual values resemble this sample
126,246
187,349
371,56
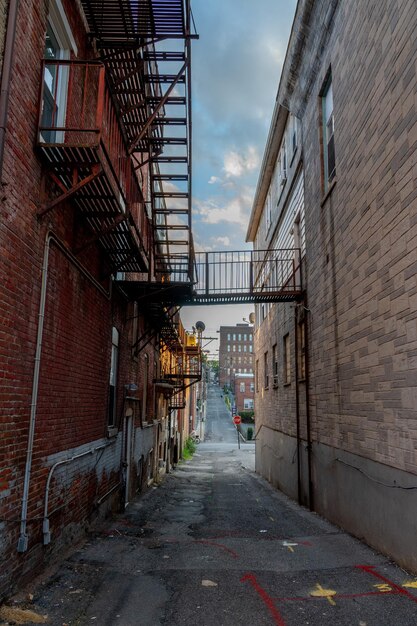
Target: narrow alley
214,544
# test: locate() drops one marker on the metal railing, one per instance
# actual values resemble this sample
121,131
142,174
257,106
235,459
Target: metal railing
77,113
248,272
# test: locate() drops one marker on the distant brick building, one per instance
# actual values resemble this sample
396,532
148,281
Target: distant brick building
92,370
244,387
235,352
336,372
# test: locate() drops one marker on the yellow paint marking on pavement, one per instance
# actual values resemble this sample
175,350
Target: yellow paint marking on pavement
412,584
384,588
319,592
289,545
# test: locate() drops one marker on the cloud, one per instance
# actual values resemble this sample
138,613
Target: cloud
235,210
214,179
236,164
224,241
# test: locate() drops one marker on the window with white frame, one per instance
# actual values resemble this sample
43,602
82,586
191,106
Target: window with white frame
287,360
275,364
268,211
114,358
242,387
283,163
266,371
329,159
293,134
248,403
59,42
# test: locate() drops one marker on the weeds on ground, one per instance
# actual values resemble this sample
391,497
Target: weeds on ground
189,449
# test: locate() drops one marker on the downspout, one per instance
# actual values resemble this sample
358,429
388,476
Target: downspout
297,405
6,76
308,417
22,543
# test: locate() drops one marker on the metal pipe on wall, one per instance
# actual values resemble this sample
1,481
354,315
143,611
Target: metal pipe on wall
6,75
22,543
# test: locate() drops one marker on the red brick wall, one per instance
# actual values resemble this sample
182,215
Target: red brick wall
74,374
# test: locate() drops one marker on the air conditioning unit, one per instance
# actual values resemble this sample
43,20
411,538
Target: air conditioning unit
275,381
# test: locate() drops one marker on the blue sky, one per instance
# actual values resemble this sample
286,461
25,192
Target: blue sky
236,66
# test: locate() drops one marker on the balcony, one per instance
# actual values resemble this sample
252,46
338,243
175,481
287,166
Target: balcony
235,277
81,143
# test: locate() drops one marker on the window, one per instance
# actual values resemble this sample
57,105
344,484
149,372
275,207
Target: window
268,212
329,161
287,362
245,337
239,348
266,372
239,337
257,376
252,387
242,387
228,348
275,364
228,336
301,351
245,348
234,337
234,348
293,133
248,403
59,41
145,387
283,164
113,377
250,348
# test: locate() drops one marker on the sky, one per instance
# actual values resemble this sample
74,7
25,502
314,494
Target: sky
236,66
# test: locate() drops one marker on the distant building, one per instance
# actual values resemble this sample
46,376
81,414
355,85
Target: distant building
244,392
336,372
235,352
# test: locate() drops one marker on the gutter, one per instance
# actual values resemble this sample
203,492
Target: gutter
6,76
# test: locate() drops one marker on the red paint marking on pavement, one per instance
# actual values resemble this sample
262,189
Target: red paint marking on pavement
218,545
251,578
369,569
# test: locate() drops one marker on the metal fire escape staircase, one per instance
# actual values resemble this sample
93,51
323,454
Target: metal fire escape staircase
145,46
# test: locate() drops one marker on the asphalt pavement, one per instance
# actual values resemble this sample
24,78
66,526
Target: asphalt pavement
216,545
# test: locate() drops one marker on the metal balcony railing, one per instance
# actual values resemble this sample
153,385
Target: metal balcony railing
82,142
247,276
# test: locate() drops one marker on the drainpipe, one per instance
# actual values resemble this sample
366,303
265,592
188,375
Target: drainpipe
6,75
308,417
22,544
297,405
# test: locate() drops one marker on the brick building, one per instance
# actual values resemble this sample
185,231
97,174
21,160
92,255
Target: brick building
235,352
336,372
93,364
244,392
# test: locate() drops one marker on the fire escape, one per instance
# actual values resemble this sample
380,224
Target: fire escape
115,138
